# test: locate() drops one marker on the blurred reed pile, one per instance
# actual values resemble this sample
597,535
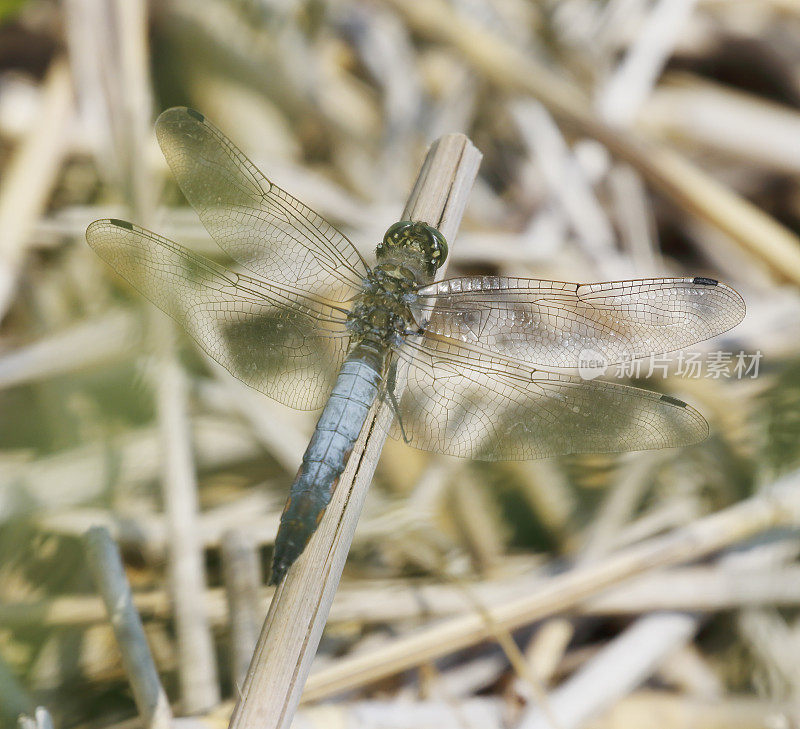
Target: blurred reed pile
623,138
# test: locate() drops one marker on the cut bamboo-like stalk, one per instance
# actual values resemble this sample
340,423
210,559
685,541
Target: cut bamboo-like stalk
109,576
671,174
293,627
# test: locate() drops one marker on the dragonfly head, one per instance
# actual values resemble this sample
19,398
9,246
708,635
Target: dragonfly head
416,244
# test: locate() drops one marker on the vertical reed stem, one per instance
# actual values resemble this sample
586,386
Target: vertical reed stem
242,573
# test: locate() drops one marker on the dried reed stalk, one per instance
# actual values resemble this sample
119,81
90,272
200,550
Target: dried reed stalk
109,576
630,658
89,343
41,719
633,80
293,627
78,475
615,671
30,174
242,573
704,589
197,661
668,710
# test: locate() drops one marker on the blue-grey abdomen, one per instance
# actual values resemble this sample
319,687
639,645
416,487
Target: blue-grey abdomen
324,460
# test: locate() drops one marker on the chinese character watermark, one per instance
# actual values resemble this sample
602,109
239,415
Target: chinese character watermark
691,365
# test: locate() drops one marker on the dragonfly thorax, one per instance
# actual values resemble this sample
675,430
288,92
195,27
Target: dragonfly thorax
382,312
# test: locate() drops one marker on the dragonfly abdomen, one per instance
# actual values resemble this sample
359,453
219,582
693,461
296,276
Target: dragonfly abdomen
325,458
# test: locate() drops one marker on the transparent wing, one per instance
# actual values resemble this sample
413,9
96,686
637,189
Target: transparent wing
467,403
555,324
254,221
283,343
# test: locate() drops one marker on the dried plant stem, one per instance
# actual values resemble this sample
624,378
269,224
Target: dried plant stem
298,613
548,646
616,670
197,662
41,719
285,442
109,576
242,573
705,589
116,32
79,475
91,342
632,657
777,506
567,184
667,171
633,80
669,710
130,113
709,116
31,173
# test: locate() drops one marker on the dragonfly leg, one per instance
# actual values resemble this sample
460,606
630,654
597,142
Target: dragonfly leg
388,393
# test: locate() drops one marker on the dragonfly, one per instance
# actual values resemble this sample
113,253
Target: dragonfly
482,367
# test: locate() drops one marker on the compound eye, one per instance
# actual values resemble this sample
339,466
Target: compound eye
395,229
439,246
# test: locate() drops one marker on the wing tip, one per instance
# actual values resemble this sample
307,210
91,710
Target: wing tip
175,111
181,111
737,308
173,119
696,428
96,227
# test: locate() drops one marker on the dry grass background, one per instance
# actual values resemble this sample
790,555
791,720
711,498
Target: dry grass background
624,138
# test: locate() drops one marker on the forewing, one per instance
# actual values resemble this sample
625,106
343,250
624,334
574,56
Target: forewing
556,324
283,343
467,403
257,223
